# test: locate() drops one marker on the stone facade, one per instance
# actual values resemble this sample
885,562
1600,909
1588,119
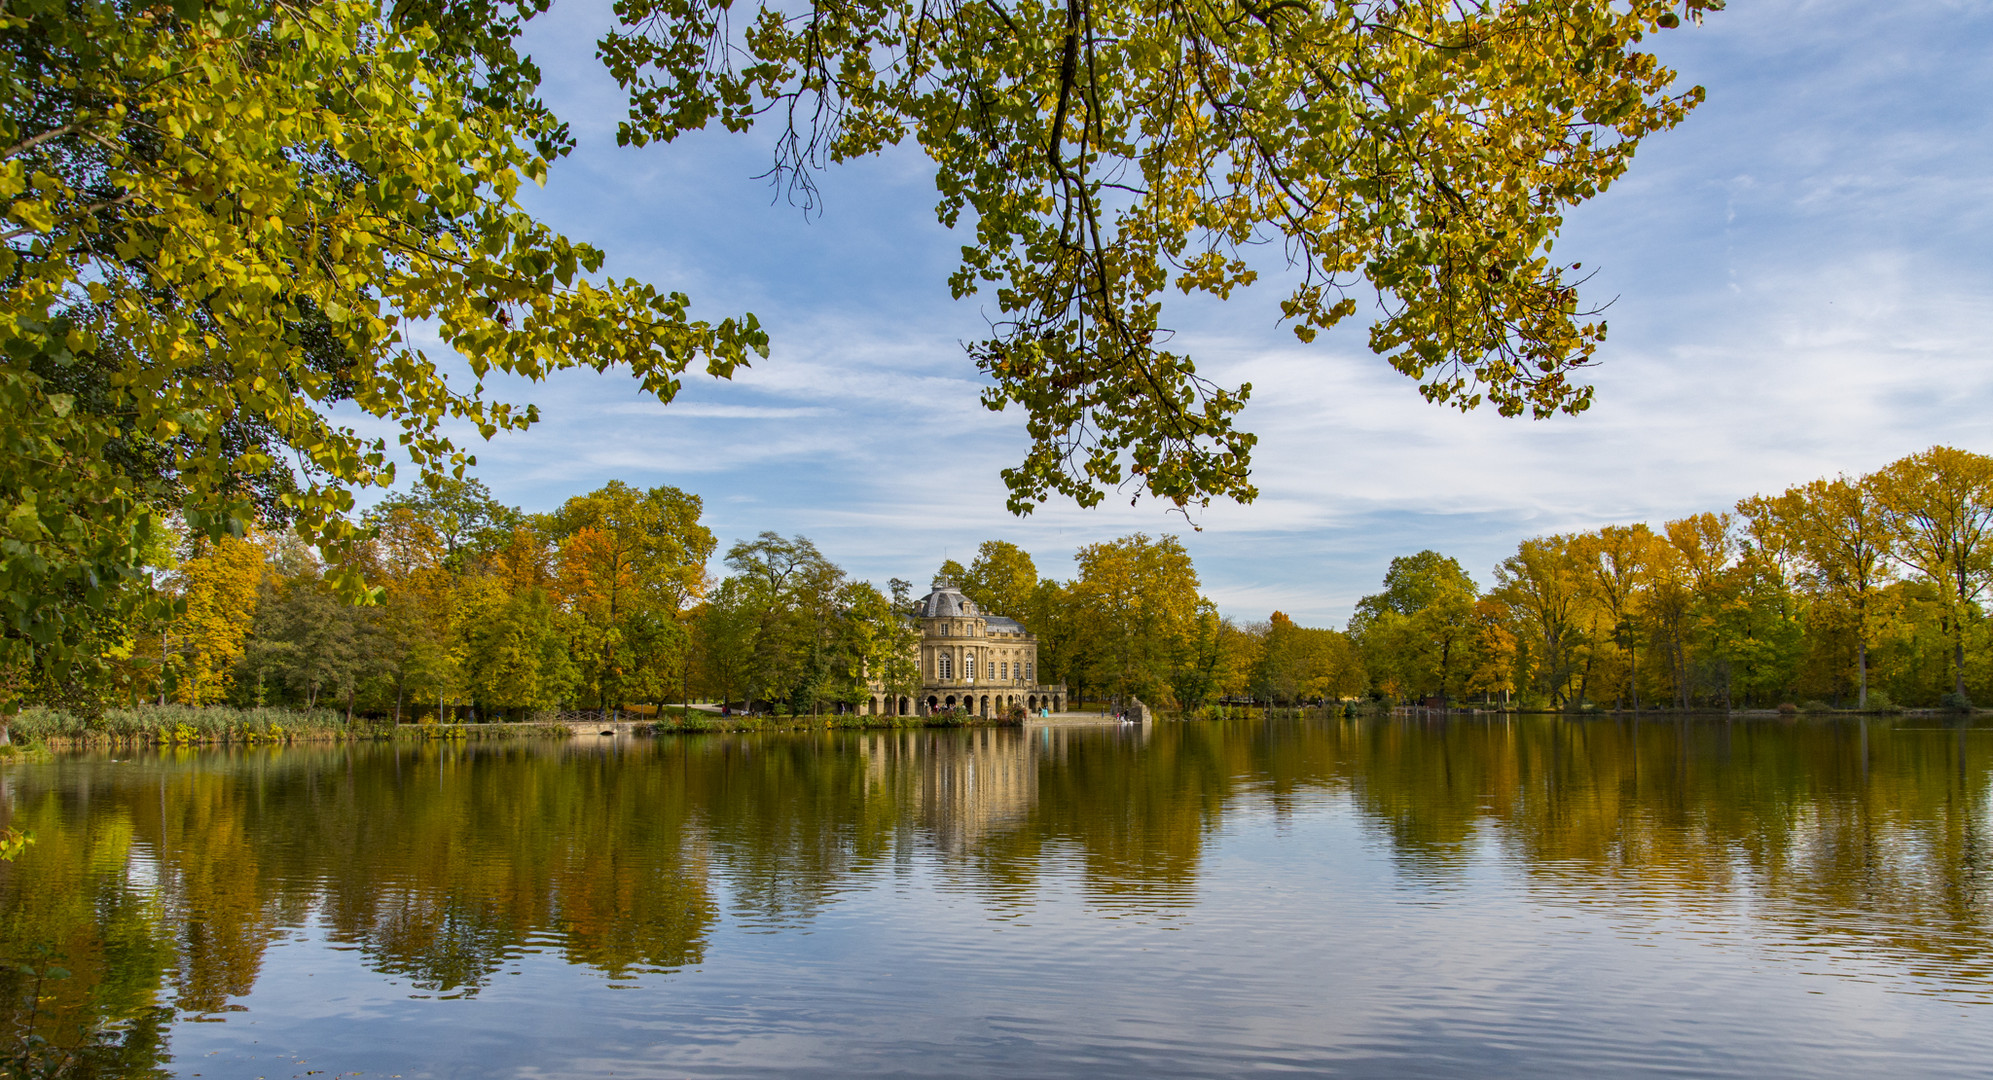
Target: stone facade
984,663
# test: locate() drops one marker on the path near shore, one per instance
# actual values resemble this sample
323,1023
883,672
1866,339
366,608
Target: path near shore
1058,719
1072,719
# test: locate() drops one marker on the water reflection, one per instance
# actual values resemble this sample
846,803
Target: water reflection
161,885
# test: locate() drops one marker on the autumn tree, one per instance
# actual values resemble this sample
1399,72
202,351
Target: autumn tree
1768,641
217,583
459,513
513,644
1848,539
1689,594
871,643
1424,150
1298,663
629,561
517,657
1001,580
1204,670
1618,563
414,634
1417,635
1543,587
1136,600
224,220
1063,651
1940,509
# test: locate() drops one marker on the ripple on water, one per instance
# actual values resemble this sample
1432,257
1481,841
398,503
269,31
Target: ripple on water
1348,899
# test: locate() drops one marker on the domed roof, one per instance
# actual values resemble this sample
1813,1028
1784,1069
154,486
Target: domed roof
946,602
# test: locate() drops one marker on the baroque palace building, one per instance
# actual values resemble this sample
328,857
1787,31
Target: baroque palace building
983,663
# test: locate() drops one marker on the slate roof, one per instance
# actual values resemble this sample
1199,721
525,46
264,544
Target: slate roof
1000,625
946,602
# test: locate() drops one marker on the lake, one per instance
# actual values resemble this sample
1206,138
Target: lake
1465,897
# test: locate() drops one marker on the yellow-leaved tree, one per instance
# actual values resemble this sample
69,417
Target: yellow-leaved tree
1136,600
218,218
217,582
1105,152
1940,510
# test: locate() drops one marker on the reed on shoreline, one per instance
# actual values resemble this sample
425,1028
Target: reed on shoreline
166,725
186,725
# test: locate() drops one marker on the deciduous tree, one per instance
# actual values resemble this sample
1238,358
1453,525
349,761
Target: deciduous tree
1940,508
629,561
217,582
1136,600
1846,534
223,218
1001,579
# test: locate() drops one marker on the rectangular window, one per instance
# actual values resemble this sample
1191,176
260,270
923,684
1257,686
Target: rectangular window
969,667
946,663
1006,671
1031,671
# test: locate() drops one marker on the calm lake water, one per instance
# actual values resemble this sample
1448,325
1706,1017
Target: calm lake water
1395,898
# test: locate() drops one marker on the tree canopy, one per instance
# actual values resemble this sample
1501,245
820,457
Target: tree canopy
1107,151
226,219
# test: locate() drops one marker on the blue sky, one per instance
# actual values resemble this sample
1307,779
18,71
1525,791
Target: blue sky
1800,286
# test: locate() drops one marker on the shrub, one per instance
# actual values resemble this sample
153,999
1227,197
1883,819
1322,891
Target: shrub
1816,706
1958,703
1788,709
32,750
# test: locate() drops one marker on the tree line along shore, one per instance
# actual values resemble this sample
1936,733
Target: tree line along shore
1859,593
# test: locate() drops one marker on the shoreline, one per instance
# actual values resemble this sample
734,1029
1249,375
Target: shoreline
237,733
501,730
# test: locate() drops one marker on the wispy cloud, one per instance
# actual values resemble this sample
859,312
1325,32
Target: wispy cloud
706,410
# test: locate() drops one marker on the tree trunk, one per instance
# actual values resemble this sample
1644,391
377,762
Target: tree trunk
1958,661
1861,675
1633,680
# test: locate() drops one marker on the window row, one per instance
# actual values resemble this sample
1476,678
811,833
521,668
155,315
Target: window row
944,667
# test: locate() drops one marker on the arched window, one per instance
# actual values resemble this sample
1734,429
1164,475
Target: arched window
947,663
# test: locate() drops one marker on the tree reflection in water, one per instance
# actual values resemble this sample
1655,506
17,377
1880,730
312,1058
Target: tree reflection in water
159,884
